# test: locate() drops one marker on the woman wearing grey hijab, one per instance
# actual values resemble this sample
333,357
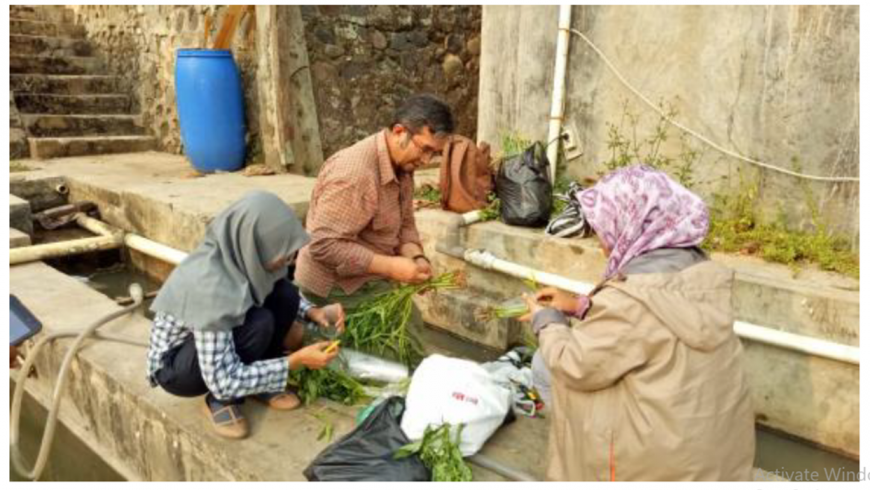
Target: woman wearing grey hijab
225,317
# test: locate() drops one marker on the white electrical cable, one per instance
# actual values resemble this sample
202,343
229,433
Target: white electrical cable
51,421
700,137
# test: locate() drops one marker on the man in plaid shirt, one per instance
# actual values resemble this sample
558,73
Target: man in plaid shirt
361,215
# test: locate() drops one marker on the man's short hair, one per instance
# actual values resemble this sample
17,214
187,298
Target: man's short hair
425,110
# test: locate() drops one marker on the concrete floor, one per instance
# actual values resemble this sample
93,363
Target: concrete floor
147,434
158,194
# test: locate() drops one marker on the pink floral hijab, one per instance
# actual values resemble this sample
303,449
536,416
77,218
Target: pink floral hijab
638,209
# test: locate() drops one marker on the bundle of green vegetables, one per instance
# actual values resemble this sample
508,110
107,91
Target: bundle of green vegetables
440,453
379,326
512,308
329,383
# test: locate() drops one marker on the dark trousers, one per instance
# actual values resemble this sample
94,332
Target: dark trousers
260,337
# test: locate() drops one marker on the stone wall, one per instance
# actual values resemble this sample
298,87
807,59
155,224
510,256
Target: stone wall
776,83
367,59
139,44
18,147
363,60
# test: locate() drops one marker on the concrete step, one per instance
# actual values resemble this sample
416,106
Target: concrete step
43,148
55,65
18,238
42,125
43,13
20,216
41,28
48,46
18,147
63,84
73,104
42,192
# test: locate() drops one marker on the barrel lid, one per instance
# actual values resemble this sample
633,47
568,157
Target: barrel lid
204,53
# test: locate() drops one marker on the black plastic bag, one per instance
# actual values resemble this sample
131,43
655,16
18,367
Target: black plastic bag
524,189
366,453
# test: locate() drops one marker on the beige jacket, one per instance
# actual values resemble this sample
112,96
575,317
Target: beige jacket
650,385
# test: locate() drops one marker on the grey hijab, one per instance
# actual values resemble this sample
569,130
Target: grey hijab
216,285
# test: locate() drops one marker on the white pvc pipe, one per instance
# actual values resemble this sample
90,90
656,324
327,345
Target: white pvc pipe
471,217
799,343
109,237
557,109
96,226
35,253
154,249
486,260
786,340
133,241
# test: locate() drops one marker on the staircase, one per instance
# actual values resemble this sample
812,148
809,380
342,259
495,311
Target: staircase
67,104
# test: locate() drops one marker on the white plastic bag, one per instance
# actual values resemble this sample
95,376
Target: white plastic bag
455,391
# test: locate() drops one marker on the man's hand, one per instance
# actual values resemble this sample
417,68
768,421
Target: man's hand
328,315
424,265
407,270
312,356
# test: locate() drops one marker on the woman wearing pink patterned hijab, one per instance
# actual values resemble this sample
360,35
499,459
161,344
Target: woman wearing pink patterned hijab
638,209
648,385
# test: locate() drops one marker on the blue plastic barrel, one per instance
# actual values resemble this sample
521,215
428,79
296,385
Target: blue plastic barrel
211,109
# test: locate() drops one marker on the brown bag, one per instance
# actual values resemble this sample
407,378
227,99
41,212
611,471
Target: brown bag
466,175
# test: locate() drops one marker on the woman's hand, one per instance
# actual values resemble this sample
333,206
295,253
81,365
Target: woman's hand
328,315
533,306
312,356
558,299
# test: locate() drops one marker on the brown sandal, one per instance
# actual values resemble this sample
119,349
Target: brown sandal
282,400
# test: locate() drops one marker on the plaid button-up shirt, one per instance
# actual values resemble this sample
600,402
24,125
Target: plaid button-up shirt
359,207
223,372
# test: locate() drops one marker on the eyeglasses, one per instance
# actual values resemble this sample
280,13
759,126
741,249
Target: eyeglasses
427,150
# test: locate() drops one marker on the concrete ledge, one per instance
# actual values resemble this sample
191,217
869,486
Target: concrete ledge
64,84
146,434
814,303
155,195
44,148
42,28
58,14
50,65
20,216
40,191
18,238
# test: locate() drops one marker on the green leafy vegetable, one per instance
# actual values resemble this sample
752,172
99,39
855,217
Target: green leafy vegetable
329,383
379,325
440,453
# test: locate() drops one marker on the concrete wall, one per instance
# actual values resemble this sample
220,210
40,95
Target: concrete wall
775,83
367,59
